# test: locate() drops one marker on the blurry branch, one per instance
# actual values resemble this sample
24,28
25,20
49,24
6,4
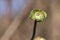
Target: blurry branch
16,22
55,10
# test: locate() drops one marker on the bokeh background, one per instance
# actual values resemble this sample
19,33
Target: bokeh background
15,24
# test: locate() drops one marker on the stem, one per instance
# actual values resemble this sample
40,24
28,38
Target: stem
34,30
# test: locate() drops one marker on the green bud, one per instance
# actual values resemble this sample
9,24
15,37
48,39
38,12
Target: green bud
38,15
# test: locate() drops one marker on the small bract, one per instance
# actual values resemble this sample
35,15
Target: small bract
38,15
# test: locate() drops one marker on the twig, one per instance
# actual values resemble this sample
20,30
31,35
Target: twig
34,30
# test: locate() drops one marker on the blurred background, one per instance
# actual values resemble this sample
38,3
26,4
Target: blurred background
15,24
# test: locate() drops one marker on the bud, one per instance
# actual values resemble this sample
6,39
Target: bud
38,15
39,38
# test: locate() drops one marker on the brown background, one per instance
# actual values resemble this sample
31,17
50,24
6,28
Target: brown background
49,28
